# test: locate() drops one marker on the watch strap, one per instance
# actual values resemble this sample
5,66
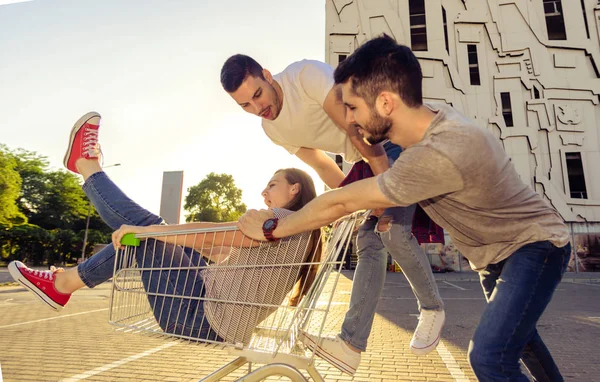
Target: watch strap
269,232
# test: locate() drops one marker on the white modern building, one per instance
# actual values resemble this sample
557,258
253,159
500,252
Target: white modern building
527,70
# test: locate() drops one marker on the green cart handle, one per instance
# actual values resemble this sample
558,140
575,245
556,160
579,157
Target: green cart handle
130,240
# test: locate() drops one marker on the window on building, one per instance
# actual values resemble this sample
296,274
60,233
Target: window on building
341,57
555,22
445,21
473,64
506,109
576,177
536,92
339,160
418,27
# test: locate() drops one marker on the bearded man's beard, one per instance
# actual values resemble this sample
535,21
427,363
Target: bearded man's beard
378,128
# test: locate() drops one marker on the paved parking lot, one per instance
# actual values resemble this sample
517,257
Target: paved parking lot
78,344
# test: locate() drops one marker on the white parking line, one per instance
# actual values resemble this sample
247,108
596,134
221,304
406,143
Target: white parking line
51,318
333,303
582,283
118,363
455,370
456,286
463,298
394,284
443,298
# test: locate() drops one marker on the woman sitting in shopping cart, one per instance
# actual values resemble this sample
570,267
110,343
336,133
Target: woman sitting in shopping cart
214,286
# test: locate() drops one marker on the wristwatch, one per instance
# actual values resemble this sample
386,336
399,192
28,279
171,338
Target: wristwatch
268,227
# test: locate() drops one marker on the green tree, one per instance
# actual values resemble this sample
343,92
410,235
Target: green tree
52,203
94,237
64,247
28,243
10,186
64,204
31,167
215,199
50,199
6,250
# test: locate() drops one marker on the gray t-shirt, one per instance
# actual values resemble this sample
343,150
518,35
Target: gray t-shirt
252,283
463,179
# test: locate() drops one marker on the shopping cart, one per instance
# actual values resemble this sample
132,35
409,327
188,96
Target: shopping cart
235,296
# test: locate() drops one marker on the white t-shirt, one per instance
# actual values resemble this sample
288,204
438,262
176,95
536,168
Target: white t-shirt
302,121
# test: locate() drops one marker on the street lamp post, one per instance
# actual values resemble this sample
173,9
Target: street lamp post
87,223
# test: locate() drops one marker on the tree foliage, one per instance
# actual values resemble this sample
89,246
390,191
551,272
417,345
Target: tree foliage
64,204
49,199
26,242
46,221
31,168
215,199
10,186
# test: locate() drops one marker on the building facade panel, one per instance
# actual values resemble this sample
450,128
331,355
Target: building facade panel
528,71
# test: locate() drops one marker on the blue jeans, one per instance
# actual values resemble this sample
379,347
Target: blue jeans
373,244
180,315
518,290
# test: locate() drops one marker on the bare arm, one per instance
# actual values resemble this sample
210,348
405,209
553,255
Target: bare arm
421,173
326,167
216,254
197,241
330,206
335,109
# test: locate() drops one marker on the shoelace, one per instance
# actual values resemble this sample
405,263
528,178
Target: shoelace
90,141
425,323
47,275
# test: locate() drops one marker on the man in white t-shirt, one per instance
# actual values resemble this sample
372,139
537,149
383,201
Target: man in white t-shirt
301,111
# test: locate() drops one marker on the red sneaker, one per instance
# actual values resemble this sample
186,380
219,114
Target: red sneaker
84,141
41,283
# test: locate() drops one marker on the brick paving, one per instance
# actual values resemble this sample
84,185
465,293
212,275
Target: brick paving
39,345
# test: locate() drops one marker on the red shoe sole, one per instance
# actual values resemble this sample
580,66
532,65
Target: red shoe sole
18,276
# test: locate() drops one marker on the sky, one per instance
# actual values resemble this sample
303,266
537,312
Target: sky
151,69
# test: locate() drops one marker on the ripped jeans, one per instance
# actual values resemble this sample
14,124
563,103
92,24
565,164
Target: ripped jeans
391,233
374,241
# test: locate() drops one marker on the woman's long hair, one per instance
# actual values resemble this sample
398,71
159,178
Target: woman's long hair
307,192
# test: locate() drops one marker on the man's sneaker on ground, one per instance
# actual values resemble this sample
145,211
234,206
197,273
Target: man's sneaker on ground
333,350
83,142
41,283
428,331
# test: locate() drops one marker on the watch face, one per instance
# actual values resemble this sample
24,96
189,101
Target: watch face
268,224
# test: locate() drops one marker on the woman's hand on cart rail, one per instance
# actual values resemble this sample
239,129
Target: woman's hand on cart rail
122,231
215,234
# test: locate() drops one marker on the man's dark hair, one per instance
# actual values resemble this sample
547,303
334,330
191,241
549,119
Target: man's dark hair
236,69
381,64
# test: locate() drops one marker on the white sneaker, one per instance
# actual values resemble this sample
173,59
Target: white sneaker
428,331
333,350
